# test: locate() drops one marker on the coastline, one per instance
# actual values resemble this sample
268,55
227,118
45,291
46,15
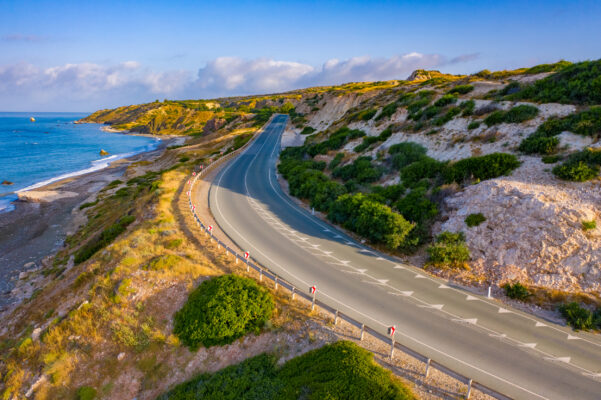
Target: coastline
46,213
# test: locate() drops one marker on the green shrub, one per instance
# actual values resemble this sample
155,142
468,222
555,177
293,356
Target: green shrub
467,108
445,100
496,117
360,170
221,310
425,168
449,115
521,113
163,263
241,140
539,144
89,204
461,89
450,250
390,193
589,225
336,161
473,125
417,207
578,83
364,115
388,110
550,159
537,69
474,219
104,239
484,167
516,291
335,141
86,393
576,316
405,153
372,220
337,371
184,159
113,184
307,130
577,171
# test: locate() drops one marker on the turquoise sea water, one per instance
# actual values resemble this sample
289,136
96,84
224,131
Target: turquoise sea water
53,147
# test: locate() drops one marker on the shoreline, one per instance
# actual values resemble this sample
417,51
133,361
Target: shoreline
44,216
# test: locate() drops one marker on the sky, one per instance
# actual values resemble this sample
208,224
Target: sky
83,56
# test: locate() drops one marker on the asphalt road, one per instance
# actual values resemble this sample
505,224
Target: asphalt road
512,352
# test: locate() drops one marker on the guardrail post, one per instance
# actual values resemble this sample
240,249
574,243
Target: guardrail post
427,368
260,275
236,257
391,348
293,293
313,302
247,266
362,331
489,292
469,389
336,318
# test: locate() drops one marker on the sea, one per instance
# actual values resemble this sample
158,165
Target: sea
53,147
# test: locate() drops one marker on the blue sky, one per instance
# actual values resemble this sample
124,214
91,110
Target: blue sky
80,56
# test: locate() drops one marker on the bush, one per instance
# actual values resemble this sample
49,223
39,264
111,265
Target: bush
221,310
461,89
467,108
516,291
521,113
550,159
539,144
406,153
388,110
449,115
425,168
335,141
474,219
449,250
364,115
341,370
307,130
336,161
241,140
473,125
576,316
579,83
576,171
481,168
360,170
86,393
416,207
184,159
589,225
496,117
104,239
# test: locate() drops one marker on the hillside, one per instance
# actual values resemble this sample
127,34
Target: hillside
509,147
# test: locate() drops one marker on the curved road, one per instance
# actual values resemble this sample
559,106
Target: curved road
512,352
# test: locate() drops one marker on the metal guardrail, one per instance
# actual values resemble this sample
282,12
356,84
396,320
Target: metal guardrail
278,281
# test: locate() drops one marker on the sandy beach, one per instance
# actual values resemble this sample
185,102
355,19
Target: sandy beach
45,216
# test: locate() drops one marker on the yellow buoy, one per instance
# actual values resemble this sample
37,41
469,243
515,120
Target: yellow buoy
32,119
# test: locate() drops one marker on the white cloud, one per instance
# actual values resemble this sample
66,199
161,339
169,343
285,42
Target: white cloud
91,86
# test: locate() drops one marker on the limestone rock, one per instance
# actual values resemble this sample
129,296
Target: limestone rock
7,183
104,152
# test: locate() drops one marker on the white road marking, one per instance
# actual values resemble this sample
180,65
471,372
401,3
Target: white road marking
498,335
560,359
472,321
435,306
570,337
539,324
402,293
471,298
504,311
399,267
441,286
529,345
418,276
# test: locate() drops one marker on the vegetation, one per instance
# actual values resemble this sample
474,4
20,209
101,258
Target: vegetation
307,130
449,250
102,240
516,291
473,125
579,317
406,153
221,310
580,167
515,115
589,225
361,170
338,371
461,89
369,140
86,393
481,168
335,141
388,110
573,84
474,219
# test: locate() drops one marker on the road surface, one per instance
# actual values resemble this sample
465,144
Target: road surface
509,351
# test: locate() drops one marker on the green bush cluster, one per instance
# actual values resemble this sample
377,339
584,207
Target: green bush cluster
335,141
104,239
364,115
481,168
86,393
388,110
516,291
369,140
579,83
474,219
445,100
449,250
415,101
446,117
406,153
580,167
461,89
589,225
361,170
241,140
473,125
467,108
370,219
517,114
307,130
336,161
221,310
337,371
580,318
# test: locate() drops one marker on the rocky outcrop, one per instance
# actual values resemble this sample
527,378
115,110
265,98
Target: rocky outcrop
104,153
213,125
7,183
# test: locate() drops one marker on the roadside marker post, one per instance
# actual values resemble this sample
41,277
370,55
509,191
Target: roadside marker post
391,331
336,317
427,368
469,389
313,289
362,331
246,255
293,293
489,292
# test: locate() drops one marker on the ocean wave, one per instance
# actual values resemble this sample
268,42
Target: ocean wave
96,166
